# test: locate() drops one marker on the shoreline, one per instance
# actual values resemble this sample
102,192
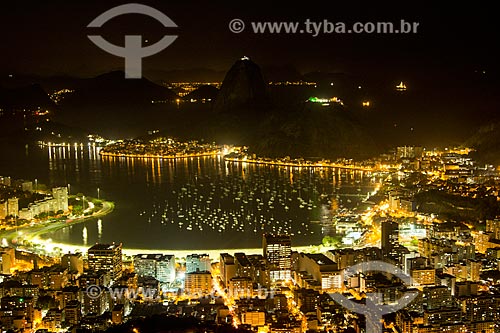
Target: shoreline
213,253
167,157
29,232
298,165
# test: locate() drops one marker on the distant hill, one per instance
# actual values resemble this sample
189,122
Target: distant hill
19,108
243,88
115,106
313,130
113,88
25,97
486,141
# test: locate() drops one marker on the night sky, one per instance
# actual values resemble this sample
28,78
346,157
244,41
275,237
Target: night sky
50,37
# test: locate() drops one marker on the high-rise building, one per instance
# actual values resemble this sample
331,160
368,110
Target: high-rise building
240,287
7,259
73,312
493,226
278,253
165,268
3,210
390,238
243,266
13,207
198,262
73,262
437,297
61,196
409,152
227,268
423,276
159,266
93,304
107,257
322,269
198,283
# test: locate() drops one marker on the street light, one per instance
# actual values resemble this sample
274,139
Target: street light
69,189
98,193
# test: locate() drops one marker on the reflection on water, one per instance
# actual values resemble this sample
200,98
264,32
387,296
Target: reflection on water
198,203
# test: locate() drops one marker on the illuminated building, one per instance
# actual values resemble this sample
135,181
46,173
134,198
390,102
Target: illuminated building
307,299
3,210
198,262
159,266
423,276
72,312
227,268
240,287
390,239
473,270
243,266
13,207
322,269
260,269
198,283
61,196
437,297
493,226
107,257
67,295
409,152
87,279
7,259
277,251
96,304
117,314
479,307
73,262
254,318
442,316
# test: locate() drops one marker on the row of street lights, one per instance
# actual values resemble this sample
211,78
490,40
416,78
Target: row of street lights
69,190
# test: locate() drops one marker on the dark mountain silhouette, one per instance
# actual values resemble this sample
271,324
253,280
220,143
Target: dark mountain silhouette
274,121
486,142
203,92
312,130
115,106
243,88
26,97
19,109
112,88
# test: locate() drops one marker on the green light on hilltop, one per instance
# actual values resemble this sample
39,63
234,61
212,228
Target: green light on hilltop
325,101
